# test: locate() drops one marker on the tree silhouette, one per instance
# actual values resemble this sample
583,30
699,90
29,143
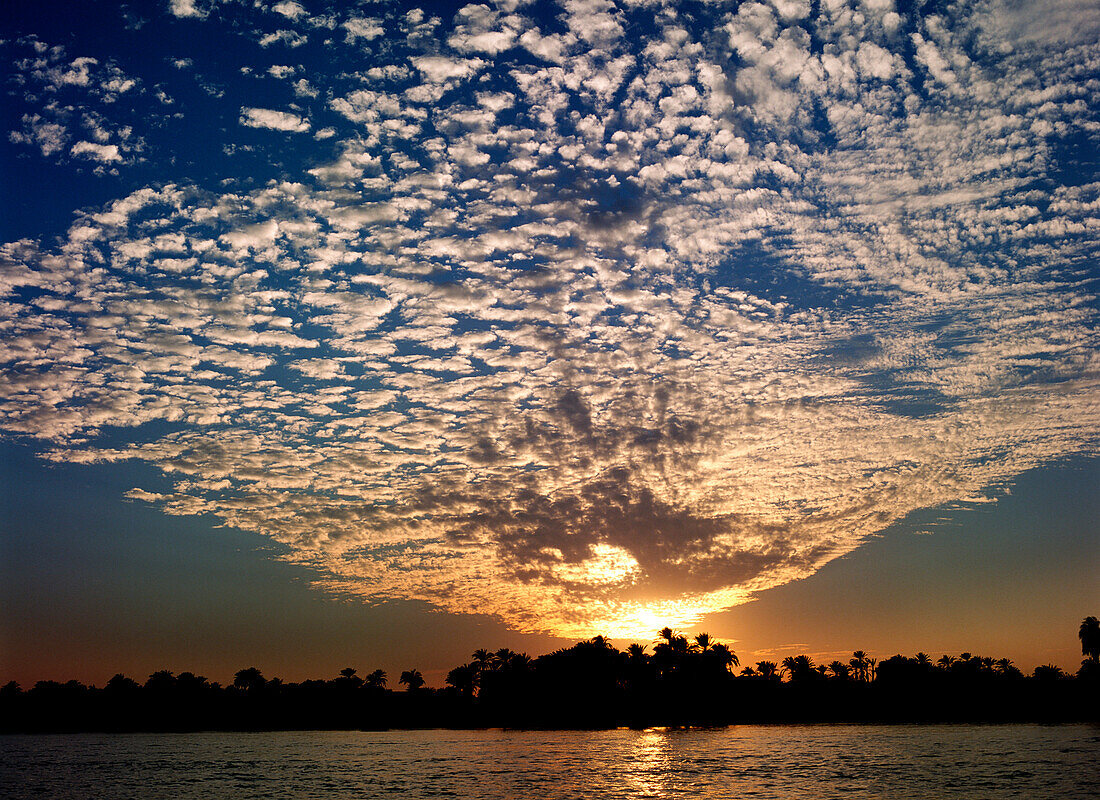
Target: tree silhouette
636,653
502,658
161,681
249,679
861,666
767,669
483,659
464,679
348,680
190,682
590,684
1089,634
799,668
1005,667
722,655
1049,672
411,679
120,684
672,644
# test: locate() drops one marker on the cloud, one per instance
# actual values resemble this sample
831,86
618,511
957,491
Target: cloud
187,9
104,153
437,69
482,30
1051,23
49,137
289,38
366,28
81,92
585,329
289,9
274,120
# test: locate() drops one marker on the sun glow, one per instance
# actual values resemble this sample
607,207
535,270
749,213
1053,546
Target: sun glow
641,622
607,565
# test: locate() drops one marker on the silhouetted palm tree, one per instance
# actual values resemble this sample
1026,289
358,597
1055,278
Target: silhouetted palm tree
483,659
636,653
726,655
348,679
376,680
161,681
501,658
767,669
946,662
121,684
1089,634
798,668
861,666
463,678
189,681
673,642
721,654
1049,672
840,670
249,679
411,679
703,642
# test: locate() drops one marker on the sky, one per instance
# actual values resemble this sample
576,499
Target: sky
374,333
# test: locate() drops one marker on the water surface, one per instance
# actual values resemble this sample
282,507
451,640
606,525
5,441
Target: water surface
780,762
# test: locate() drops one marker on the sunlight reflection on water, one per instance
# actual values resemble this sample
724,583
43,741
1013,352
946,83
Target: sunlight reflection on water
768,762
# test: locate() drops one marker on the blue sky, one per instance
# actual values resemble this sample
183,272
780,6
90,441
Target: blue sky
588,317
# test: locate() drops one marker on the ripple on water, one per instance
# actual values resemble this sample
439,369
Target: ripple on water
765,762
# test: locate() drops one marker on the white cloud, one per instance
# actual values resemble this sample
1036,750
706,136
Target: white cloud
104,153
366,28
49,137
274,120
289,9
437,69
289,38
187,8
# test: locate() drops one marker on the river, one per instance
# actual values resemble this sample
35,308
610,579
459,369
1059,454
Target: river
780,762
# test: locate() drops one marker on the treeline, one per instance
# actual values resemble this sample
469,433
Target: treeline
591,684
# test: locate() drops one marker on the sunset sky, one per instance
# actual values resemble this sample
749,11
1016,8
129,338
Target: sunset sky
370,334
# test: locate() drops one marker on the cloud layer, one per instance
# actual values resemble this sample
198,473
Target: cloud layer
586,316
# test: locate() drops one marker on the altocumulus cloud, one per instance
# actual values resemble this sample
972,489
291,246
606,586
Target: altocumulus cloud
275,120
584,315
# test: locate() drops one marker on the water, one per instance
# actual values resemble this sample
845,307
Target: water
780,762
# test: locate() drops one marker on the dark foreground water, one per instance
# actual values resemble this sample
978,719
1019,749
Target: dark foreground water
804,762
